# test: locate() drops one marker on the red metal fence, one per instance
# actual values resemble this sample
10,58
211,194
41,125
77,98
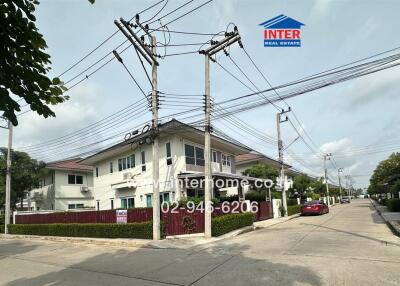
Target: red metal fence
107,216
183,221
264,211
177,221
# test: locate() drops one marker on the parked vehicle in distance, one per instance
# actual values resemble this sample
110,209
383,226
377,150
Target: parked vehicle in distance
314,208
345,200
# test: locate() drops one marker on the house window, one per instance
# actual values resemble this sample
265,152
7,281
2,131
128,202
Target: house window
226,160
194,155
97,171
75,180
79,180
168,153
127,203
143,155
214,156
75,206
126,163
199,156
98,205
112,204
189,154
111,167
164,197
71,179
132,160
149,200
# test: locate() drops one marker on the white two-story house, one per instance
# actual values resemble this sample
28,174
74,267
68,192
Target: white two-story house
123,176
67,185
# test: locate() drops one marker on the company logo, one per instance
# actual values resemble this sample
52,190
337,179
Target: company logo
282,31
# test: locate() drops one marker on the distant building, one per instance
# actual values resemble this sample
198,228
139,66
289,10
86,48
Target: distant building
67,185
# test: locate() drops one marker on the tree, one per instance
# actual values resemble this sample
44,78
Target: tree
25,174
301,184
318,186
24,64
264,171
395,188
384,173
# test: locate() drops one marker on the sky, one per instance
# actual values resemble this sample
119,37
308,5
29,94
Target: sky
339,119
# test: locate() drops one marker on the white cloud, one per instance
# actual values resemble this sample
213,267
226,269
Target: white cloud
375,87
76,113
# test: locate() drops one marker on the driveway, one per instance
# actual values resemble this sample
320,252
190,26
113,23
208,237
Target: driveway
349,246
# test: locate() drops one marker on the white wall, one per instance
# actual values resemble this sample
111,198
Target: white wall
106,184
44,198
59,194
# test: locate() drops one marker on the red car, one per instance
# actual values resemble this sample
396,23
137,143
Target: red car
314,208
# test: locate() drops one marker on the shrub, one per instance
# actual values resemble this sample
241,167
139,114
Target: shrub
293,209
393,205
226,223
314,196
142,230
292,202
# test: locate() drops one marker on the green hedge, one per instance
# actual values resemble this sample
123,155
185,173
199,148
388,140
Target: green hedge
393,205
291,210
226,223
142,230
292,202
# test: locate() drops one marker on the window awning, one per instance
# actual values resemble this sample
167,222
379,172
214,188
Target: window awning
124,185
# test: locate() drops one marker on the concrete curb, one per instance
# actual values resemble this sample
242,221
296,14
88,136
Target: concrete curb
270,222
168,243
137,243
392,225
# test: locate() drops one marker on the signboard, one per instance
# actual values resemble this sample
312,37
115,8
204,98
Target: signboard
282,31
122,216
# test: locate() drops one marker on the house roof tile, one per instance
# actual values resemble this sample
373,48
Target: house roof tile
69,164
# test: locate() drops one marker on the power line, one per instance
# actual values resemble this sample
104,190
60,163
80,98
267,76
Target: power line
104,41
123,50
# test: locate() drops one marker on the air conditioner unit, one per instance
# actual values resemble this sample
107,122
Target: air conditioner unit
84,189
133,184
127,176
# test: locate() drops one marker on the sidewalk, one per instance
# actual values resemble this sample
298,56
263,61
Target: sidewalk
178,242
273,221
391,218
118,242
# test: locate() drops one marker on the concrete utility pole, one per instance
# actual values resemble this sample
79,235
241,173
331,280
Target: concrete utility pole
280,153
156,160
150,57
8,177
207,151
327,157
229,39
340,170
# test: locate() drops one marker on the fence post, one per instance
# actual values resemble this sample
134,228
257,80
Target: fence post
14,216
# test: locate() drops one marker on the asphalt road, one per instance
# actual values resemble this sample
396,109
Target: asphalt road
349,246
